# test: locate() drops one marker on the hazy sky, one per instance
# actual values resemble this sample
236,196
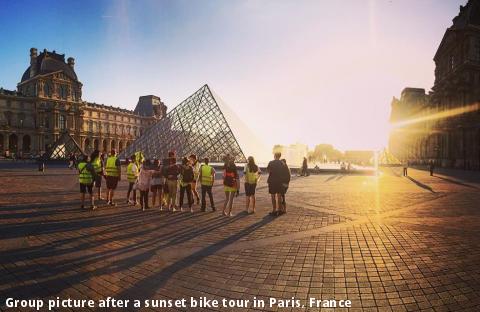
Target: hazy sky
294,71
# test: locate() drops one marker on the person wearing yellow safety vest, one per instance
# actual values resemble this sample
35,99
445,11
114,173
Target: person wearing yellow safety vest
252,175
97,164
207,177
196,173
86,176
132,175
113,174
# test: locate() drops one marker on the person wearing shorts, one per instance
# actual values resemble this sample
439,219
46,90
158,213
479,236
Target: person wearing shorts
157,184
275,170
252,175
86,174
112,175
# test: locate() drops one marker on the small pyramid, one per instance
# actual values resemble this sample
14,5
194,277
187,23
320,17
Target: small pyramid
63,147
195,126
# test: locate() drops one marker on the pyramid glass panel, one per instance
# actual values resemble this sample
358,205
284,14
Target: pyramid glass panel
63,147
195,126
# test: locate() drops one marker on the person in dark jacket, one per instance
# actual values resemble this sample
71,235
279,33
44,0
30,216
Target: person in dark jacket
186,179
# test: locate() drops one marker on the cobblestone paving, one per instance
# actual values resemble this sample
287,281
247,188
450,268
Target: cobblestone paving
387,243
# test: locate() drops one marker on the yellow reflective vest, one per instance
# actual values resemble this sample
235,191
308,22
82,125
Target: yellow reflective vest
132,173
111,169
84,175
207,178
251,177
97,165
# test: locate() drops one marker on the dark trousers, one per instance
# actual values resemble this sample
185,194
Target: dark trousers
144,199
207,189
405,172
188,189
130,188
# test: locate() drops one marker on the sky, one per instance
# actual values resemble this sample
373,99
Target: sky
292,70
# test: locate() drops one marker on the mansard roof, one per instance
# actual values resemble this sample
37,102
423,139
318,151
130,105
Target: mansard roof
49,62
469,16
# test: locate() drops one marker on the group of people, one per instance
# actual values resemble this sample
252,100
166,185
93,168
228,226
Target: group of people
169,180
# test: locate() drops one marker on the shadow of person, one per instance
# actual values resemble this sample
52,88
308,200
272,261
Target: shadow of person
420,184
146,288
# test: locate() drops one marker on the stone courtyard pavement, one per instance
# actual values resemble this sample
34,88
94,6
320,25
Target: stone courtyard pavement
385,243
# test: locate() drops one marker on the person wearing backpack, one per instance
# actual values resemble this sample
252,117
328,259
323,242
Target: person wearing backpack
230,182
186,178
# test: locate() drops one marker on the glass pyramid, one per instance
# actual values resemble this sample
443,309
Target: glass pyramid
195,126
63,147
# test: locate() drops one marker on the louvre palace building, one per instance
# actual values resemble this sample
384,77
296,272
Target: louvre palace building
48,102
443,125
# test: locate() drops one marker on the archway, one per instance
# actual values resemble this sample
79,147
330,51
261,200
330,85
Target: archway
13,142
112,145
86,145
95,144
120,146
26,143
104,146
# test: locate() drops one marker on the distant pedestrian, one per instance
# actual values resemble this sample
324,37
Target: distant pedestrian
97,164
86,176
405,168
431,167
143,183
186,178
112,175
231,185
304,167
196,174
276,169
252,175
286,176
172,172
207,178
71,161
132,176
157,184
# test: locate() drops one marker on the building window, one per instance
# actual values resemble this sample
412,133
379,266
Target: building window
47,90
107,128
90,126
62,122
8,118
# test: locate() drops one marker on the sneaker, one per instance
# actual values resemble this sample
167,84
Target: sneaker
112,203
223,213
173,209
161,208
191,210
128,202
230,214
93,207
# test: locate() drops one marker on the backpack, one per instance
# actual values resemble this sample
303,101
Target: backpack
187,174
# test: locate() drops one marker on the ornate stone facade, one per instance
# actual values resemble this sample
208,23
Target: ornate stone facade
48,101
443,126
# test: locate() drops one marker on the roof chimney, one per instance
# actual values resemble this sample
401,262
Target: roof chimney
71,62
33,62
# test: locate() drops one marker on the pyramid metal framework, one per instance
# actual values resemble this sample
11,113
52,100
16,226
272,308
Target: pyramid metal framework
195,126
63,147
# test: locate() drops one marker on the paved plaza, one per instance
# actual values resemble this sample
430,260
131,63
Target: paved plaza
386,243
